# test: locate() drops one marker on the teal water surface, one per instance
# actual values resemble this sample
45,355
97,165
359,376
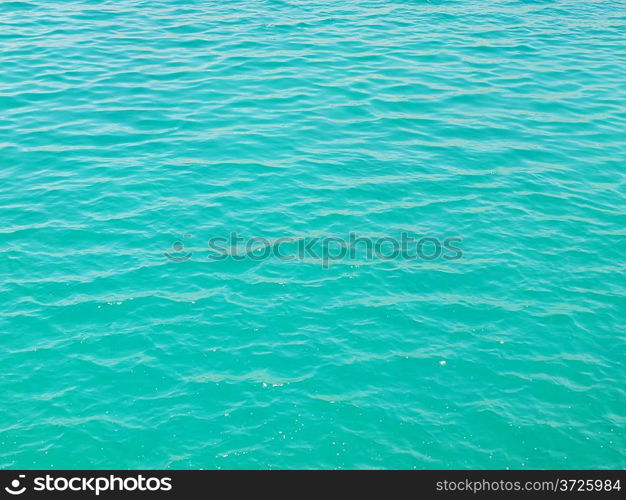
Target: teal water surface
127,126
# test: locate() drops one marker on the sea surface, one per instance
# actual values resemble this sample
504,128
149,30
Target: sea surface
134,132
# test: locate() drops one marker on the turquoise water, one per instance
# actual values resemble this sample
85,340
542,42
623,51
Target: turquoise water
127,126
